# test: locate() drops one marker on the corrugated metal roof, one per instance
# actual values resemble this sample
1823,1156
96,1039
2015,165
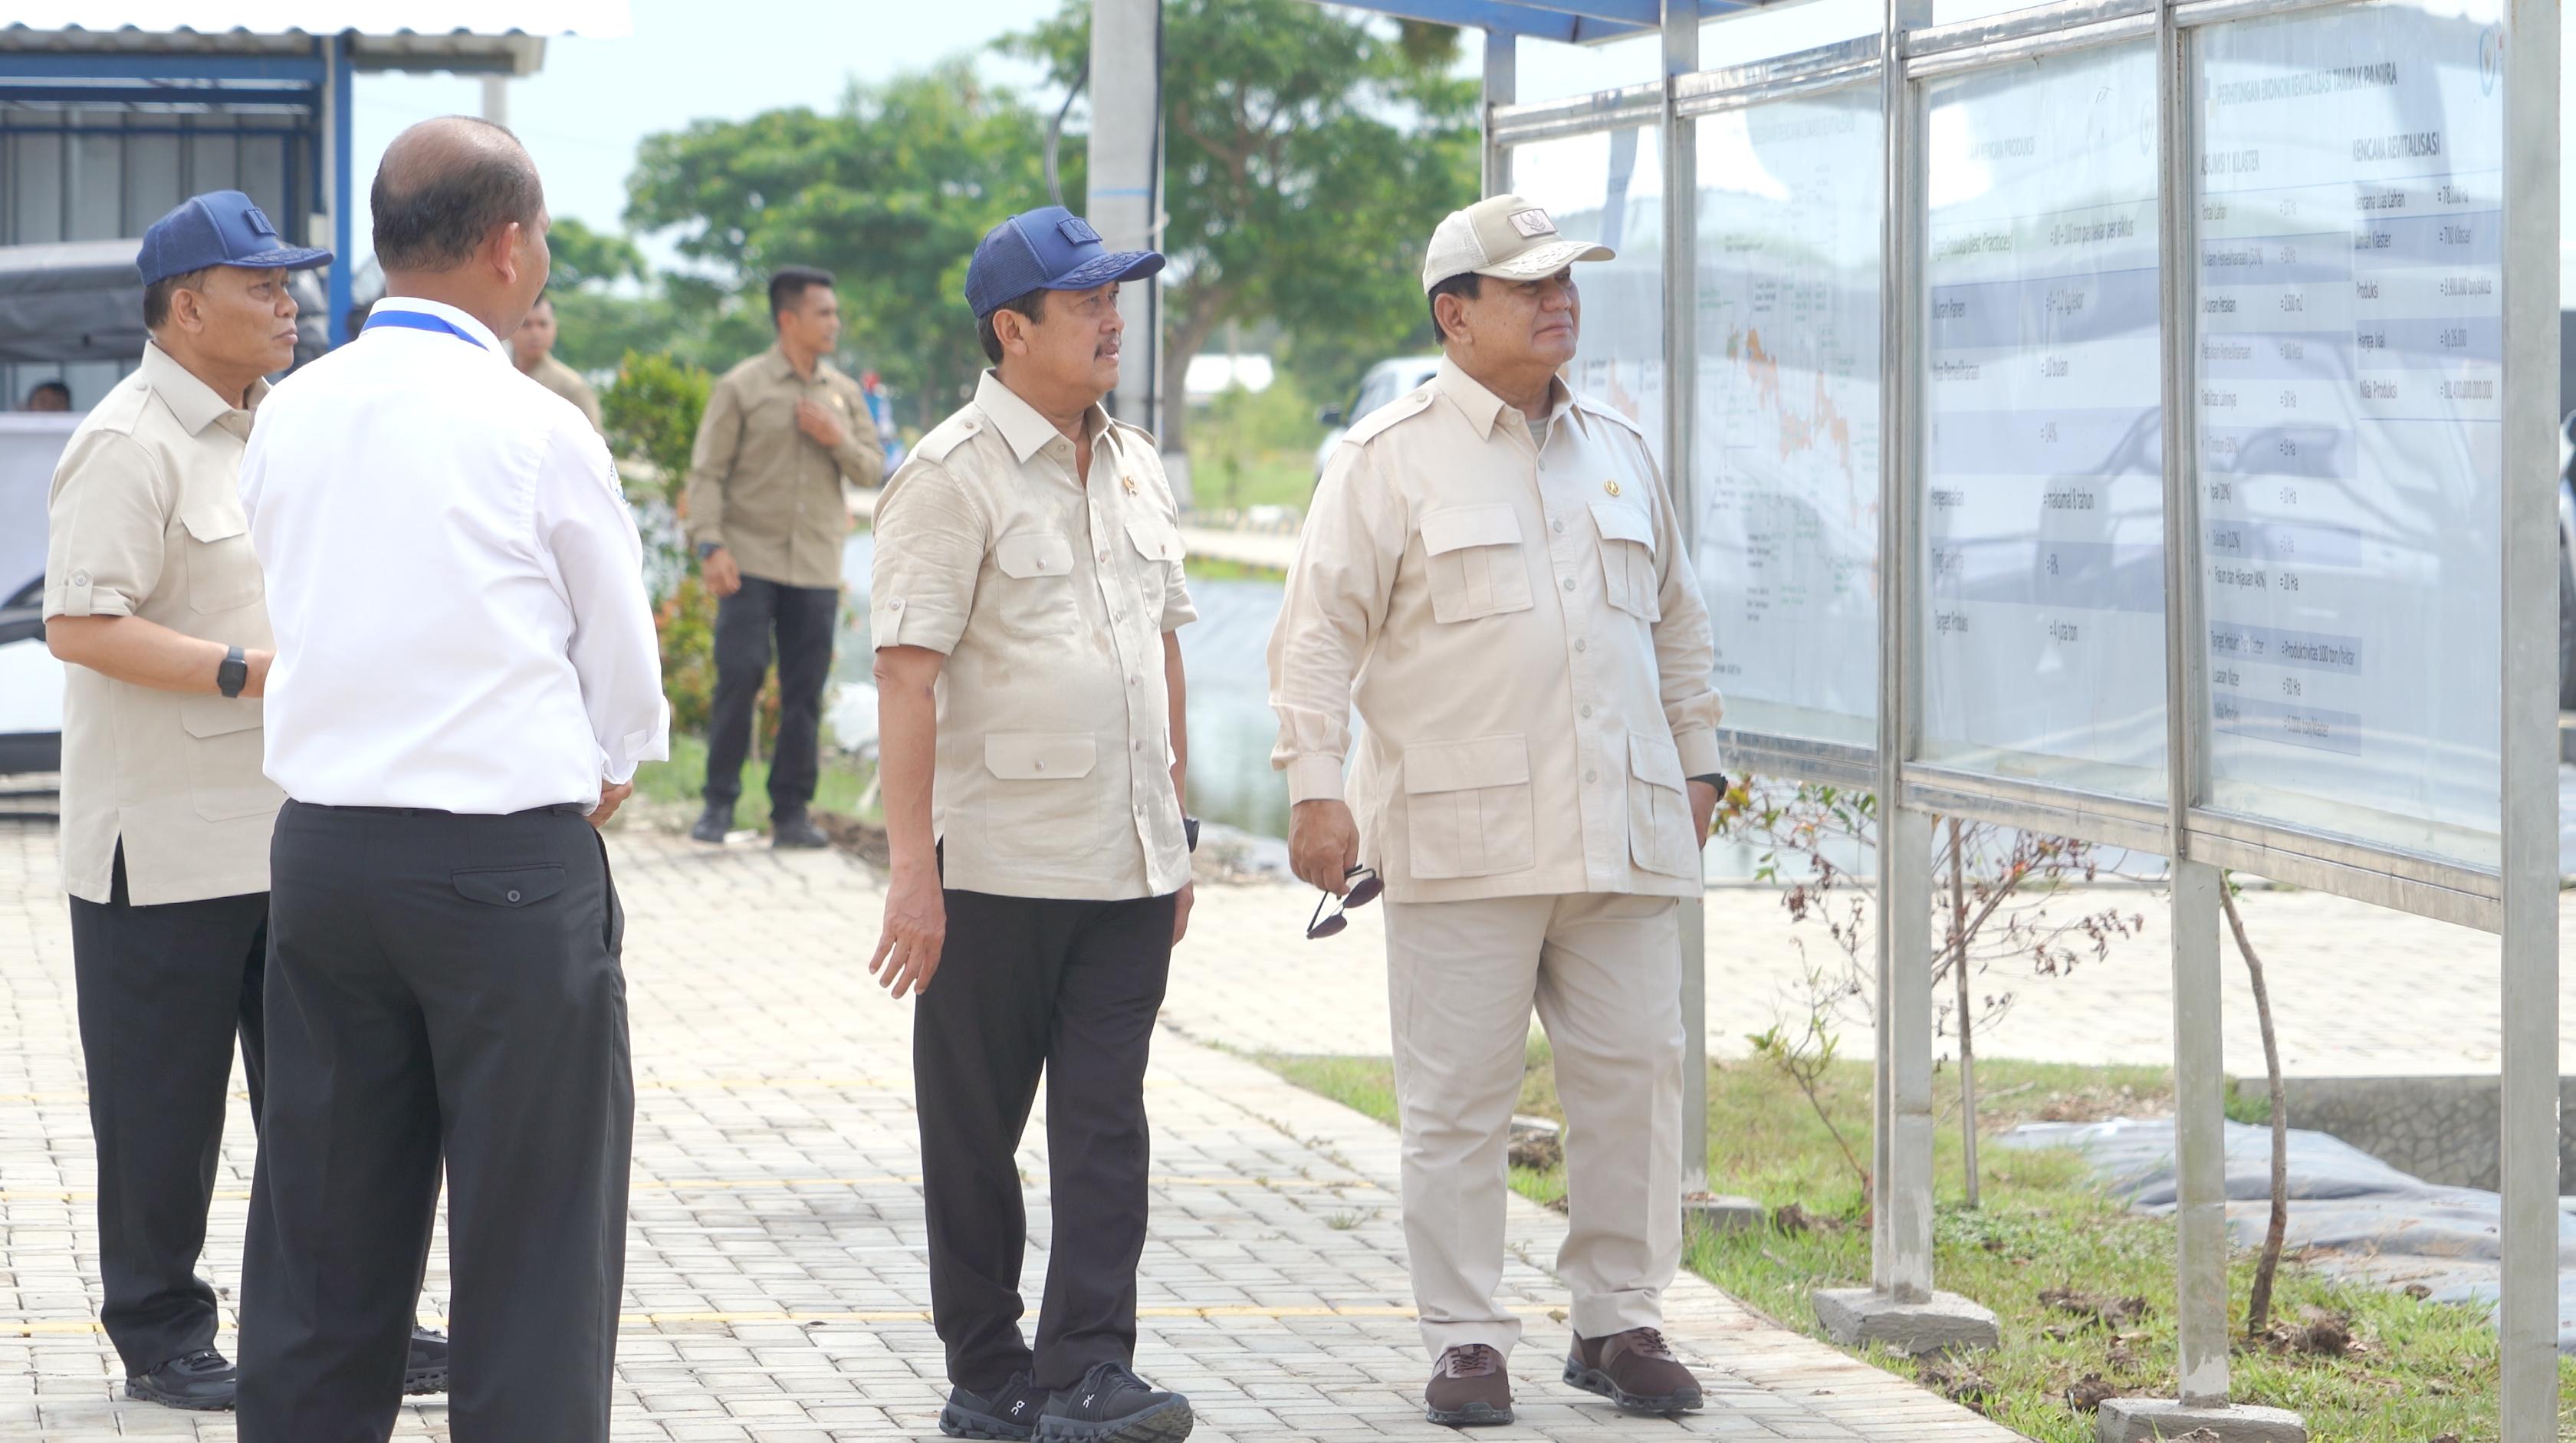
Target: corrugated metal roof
596,19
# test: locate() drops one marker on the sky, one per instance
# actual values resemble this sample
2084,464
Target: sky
585,112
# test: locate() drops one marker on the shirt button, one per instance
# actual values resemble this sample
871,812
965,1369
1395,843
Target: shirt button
1578,646
1569,583
80,578
1592,776
1560,528
897,605
1587,711
514,896
1038,766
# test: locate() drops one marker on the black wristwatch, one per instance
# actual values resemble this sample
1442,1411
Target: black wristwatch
709,548
1190,829
1714,779
234,674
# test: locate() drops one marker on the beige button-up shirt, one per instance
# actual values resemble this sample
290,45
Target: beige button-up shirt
1049,593
1510,609
145,520
765,490
566,382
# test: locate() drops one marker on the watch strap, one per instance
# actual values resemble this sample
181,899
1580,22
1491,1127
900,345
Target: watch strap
233,674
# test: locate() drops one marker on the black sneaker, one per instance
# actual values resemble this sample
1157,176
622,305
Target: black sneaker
713,823
425,1371
201,1382
1113,1405
796,831
1010,1413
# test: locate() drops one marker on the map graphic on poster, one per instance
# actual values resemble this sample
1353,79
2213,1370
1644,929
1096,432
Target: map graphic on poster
2350,356
1787,471
2043,511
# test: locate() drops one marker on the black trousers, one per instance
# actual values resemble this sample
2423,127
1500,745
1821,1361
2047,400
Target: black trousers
804,618
439,984
163,991
1028,986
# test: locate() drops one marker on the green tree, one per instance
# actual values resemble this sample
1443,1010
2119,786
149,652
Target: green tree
890,192
1307,156
584,257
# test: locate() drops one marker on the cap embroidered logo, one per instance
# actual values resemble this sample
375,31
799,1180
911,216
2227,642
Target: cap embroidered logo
1532,222
1077,230
257,220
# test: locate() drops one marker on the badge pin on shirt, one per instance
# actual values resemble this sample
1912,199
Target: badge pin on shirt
1610,486
1129,482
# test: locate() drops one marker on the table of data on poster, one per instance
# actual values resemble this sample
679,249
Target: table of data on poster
2349,354
2042,509
1786,481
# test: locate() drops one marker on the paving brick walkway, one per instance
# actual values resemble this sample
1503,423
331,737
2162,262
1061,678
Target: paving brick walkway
775,1283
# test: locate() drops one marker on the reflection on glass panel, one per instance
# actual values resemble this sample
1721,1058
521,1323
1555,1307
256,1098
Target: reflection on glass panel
2350,466
2043,506
1786,479
1610,188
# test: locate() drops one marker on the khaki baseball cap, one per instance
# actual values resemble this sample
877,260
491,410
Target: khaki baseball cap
1506,237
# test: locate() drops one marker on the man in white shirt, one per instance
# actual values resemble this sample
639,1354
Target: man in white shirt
465,675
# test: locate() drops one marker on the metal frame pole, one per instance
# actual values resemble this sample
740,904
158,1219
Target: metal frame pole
2527,1314
2200,1062
1502,87
1681,414
1901,1237
336,131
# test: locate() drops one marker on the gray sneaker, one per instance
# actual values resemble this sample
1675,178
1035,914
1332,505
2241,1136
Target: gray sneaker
1469,1389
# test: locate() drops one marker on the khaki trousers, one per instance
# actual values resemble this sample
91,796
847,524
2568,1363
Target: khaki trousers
1604,971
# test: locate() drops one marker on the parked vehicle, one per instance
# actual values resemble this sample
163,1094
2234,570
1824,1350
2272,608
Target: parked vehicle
1384,382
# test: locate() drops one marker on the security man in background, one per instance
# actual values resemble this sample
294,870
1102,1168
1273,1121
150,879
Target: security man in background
781,432
1492,574
532,350
1026,594
466,679
153,596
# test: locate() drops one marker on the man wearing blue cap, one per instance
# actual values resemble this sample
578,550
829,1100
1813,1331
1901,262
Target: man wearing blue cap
151,592
1026,591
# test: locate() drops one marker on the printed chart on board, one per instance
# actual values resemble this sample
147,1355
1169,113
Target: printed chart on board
2042,511
1786,479
2350,350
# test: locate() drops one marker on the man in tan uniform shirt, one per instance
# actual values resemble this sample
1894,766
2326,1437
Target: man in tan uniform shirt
154,598
1025,603
1492,574
782,431
532,350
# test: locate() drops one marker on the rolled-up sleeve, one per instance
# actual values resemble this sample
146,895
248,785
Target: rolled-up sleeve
107,526
931,538
1338,586
1685,647
584,524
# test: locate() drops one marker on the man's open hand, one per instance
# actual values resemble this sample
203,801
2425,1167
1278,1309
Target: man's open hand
916,926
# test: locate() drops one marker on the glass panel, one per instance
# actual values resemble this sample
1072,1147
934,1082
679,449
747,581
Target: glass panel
212,161
2350,421
151,179
1786,479
263,176
97,178
36,186
1609,187
2042,556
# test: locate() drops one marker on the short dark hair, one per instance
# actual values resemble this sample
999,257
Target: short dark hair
436,223
1031,305
41,387
1465,287
156,296
788,285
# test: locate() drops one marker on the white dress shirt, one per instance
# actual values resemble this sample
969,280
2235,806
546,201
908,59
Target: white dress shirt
454,579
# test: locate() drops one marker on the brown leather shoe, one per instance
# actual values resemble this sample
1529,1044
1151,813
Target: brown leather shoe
1469,1389
1634,1370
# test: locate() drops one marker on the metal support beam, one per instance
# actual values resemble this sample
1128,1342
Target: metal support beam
496,99
1502,87
2527,1314
1126,195
1681,390
278,71
340,203
1541,21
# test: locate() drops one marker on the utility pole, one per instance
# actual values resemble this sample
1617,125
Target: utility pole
1126,199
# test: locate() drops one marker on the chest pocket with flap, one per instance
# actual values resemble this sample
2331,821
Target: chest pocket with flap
1160,546
1628,559
1035,597
222,571
1478,565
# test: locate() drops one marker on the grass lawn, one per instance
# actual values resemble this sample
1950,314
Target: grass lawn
2415,1373
683,778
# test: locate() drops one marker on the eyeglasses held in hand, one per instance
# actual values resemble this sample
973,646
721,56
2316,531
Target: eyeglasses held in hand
1362,892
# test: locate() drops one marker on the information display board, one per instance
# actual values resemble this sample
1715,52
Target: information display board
1787,476
2042,509
2349,349
1609,187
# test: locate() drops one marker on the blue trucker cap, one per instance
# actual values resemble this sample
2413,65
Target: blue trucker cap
1047,249
219,228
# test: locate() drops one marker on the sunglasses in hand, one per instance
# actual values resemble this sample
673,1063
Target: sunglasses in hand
1362,891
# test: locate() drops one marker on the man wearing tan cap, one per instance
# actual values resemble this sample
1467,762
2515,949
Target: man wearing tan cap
1492,576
